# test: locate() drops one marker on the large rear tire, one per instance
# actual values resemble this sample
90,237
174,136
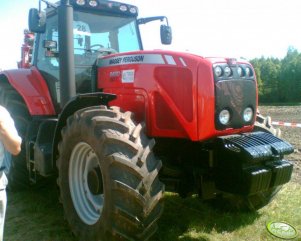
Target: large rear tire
108,176
18,176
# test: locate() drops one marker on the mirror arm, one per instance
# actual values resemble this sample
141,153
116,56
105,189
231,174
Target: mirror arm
150,19
47,3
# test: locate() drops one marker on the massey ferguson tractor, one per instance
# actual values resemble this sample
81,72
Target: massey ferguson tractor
118,125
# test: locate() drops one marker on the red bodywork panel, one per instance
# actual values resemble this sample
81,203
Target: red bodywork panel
172,92
30,84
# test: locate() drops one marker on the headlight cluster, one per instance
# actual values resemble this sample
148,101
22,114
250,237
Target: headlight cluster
244,72
227,71
224,116
120,7
92,3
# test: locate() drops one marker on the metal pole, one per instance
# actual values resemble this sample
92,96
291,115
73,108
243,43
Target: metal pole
66,54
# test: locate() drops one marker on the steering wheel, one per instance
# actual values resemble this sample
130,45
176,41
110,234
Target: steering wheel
102,49
97,45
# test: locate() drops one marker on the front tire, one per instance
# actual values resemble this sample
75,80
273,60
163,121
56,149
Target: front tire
108,176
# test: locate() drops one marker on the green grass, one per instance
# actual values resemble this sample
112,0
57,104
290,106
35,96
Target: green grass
189,219
38,216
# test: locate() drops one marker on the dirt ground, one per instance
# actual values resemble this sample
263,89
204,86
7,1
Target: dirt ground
290,134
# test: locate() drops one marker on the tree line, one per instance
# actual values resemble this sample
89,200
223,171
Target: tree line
279,80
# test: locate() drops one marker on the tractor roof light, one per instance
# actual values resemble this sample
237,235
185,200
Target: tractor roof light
93,3
123,8
133,10
80,2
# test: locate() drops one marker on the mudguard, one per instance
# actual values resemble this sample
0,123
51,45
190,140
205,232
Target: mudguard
31,85
76,103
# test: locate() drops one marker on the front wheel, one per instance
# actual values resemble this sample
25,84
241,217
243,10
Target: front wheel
108,176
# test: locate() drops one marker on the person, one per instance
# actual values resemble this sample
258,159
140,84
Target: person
10,143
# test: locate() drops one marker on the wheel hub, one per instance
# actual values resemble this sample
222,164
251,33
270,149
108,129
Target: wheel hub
86,183
95,181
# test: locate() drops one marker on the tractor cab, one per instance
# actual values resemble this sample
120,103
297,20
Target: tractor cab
99,28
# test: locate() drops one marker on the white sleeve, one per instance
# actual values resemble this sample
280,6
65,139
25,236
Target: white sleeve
9,122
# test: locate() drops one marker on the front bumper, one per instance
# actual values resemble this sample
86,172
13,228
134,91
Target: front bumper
249,163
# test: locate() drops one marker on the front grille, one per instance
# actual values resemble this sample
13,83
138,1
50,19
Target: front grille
234,95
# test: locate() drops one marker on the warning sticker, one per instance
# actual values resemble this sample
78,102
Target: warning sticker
128,76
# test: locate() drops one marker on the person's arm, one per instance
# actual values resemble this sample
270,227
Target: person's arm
8,133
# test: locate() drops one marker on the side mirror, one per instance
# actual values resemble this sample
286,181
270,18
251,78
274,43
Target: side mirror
166,34
36,21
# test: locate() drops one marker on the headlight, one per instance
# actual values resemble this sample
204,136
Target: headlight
224,117
227,71
133,10
80,2
93,3
240,71
248,114
248,71
218,71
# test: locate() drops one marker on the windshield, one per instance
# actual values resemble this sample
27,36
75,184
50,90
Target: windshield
94,36
104,33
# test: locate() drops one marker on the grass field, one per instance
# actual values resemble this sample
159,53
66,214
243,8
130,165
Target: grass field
36,215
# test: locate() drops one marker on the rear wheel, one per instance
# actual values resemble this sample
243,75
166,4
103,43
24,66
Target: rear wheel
18,175
108,176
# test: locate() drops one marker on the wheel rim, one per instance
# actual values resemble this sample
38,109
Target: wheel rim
85,180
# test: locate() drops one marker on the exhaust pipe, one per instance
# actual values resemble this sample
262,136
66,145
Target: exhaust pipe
66,56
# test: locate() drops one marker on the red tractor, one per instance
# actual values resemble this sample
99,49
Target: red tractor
92,103
26,50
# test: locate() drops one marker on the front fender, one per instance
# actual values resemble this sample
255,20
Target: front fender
31,85
76,103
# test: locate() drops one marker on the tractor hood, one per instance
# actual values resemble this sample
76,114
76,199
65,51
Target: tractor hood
176,94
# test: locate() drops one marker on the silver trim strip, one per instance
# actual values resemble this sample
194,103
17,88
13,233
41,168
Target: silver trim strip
132,59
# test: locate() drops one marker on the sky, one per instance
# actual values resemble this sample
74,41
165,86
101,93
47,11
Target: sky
221,28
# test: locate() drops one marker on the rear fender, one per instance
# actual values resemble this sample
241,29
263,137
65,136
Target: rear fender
31,85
